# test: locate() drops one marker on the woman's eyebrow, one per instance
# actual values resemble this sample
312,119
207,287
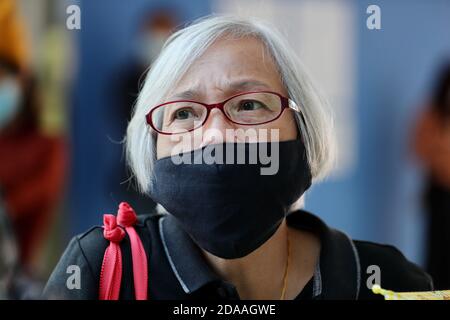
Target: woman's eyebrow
235,86
188,94
247,84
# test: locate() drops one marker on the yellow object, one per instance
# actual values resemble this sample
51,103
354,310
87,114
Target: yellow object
13,44
421,295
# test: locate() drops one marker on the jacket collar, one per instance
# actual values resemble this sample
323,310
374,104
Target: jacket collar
339,261
337,276
185,258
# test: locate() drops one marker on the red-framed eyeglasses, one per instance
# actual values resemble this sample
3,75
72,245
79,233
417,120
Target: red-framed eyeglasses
247,108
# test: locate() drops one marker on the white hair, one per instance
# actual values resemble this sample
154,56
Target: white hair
185,46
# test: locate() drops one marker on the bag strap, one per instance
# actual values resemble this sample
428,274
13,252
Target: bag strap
111,272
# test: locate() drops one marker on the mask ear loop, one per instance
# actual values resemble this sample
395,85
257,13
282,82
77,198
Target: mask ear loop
154,139
301,125
299,118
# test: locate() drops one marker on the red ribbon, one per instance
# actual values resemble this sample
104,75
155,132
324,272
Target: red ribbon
111,273
126,217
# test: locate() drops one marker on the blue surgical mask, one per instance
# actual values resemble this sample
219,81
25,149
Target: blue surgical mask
10,99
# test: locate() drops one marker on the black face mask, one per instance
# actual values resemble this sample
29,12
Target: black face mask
232,209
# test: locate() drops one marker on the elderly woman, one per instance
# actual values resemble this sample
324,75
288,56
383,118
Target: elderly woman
225,90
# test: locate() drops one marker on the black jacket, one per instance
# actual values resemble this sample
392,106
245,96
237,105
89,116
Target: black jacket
177,270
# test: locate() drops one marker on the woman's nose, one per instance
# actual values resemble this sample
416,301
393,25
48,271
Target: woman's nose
215,127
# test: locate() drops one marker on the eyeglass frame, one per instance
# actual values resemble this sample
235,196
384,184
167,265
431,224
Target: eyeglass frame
285,104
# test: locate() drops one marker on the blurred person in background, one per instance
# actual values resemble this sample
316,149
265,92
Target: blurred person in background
432,145
32,163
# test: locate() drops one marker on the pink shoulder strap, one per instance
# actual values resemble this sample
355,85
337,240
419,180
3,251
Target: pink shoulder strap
111,272
127,218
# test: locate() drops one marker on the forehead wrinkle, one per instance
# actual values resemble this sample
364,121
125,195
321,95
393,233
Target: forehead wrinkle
187,94
247,82
230,88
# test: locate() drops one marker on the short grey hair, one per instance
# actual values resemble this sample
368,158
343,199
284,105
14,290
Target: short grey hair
185,46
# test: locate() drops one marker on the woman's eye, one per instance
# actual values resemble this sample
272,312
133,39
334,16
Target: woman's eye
250,105
183,114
